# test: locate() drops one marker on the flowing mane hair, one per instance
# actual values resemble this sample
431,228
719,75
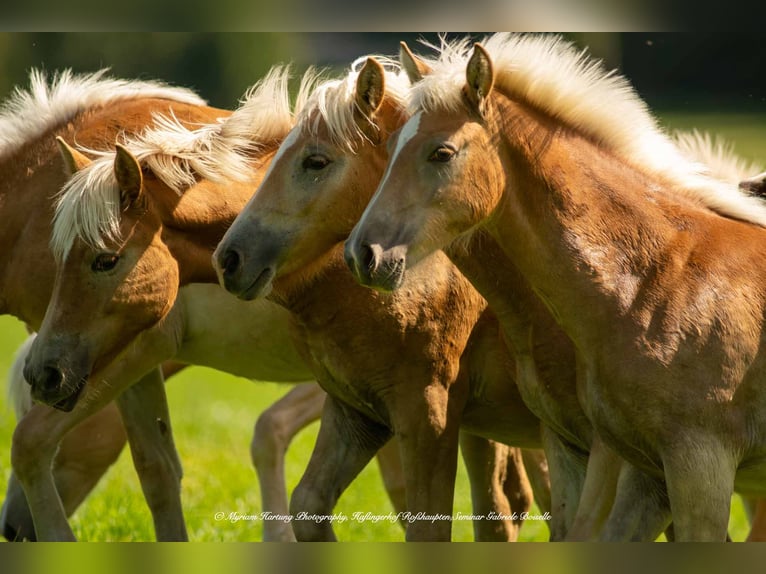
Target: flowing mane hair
332,102
566,83
88,206
30,113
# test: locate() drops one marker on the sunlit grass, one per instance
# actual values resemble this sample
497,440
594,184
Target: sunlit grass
213,416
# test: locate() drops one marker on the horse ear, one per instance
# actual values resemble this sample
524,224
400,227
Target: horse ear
755,185
480,77
74,161
127,170
414,67
370,87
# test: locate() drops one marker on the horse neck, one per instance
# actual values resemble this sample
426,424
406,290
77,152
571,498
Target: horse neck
526,323
194,223
573,219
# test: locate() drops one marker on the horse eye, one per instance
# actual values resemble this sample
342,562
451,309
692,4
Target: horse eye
442,154
316,162
104,262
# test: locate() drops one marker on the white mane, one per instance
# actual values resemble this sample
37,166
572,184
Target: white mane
564,82
30,113
88,206
332,102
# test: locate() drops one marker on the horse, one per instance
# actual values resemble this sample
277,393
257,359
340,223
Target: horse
134,231
419,365
649,265
94,110
78,106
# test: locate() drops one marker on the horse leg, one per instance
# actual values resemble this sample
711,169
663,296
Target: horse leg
428,428
699,475
758,520
598,492
390,464
499,486
144,410
34,444
346,442
567,474
536,465
274,430
640,511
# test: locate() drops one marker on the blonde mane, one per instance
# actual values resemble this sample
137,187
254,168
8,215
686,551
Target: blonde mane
332,102
28,114
564,82
88,206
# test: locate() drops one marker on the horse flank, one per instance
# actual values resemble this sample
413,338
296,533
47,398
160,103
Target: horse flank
28,114
88,206
332,102
553,76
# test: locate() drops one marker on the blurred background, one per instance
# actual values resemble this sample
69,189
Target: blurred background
720,70
708,81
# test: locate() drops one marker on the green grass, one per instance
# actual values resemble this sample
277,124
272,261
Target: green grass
213,416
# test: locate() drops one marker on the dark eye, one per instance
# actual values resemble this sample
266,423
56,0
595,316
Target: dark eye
104,262
442,154
316,162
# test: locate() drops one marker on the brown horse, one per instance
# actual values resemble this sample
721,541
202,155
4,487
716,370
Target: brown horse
79,107
93,111
651,267
391,364
132,228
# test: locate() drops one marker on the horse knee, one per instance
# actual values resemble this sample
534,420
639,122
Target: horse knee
307,501
270,440
31,451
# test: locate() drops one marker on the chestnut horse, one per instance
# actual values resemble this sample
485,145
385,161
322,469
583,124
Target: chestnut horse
80,107
136,225
651,267
391,364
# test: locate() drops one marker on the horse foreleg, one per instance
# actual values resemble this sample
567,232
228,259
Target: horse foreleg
144,410
428,427
640,512
598,492
567,469
699,474
274,430
34,444
346,442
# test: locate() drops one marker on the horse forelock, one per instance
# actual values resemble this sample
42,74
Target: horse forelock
331,103
564,82
87,207
30,113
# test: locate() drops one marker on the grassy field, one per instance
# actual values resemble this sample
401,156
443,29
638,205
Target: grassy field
213,416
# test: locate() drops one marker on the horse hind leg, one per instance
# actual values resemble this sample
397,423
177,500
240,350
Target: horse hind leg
274,430
499,488
144,411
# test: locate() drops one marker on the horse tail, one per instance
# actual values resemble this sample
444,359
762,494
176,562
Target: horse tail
19,392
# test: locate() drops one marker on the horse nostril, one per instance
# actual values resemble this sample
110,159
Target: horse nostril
51,378
230,262
366,257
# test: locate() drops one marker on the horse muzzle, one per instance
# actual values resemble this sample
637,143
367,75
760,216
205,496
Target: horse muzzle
374,267
53,383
